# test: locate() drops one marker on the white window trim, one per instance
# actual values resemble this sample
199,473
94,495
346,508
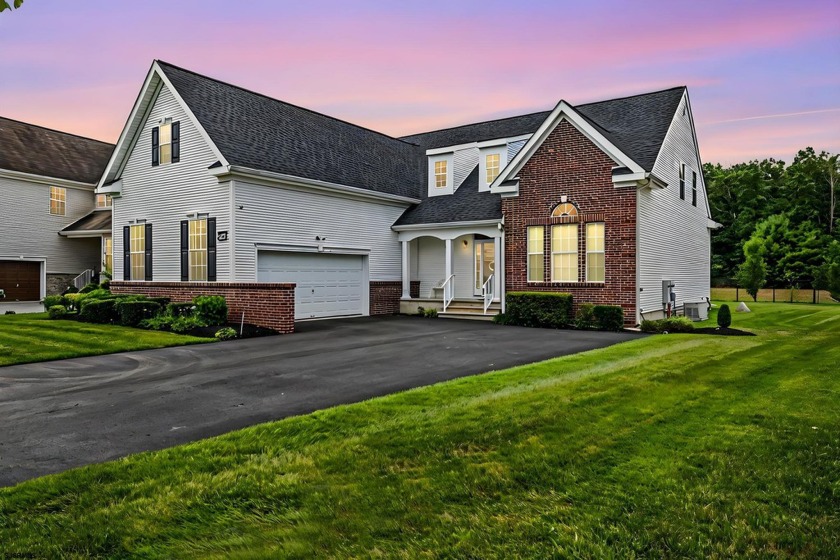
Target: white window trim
62,200
434,190
528,253
591,252
501,151
576,252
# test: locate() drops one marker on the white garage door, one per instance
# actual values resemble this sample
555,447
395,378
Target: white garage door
328,285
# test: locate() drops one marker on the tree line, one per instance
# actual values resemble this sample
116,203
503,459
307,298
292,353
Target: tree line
780,224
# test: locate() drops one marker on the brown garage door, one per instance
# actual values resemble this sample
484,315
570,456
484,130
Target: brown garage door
20,280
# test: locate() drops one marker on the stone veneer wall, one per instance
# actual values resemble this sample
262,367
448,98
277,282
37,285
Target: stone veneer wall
266,305
569,164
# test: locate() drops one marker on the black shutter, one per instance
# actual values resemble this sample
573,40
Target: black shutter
127,253
185,251
211,249
176,142
148,263
155,146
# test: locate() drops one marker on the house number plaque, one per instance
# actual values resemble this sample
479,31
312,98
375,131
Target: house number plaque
222,236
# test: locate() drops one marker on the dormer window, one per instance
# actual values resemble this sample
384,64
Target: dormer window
492,166
440,174
166,143
103,201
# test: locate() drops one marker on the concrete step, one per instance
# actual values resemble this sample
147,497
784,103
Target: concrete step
470,316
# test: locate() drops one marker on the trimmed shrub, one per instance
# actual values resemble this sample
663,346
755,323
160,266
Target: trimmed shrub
670,325
131,313
161,322
56,311
585,316
89,288
226,333
538,309
181,325
649,326
608,317
212,310
180,309
724,317
99,311
500,318
10,312
162,301
52,301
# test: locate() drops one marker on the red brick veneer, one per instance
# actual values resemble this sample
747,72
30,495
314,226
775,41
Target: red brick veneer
569,164
385,296
267,305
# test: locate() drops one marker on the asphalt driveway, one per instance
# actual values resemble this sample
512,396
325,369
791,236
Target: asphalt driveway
63,414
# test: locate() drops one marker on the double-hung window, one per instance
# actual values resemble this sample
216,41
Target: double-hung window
441,174
138,251
536,248
694,188
103,201
564,253
682,181
198,250
166,143
595,252
58,201
492,165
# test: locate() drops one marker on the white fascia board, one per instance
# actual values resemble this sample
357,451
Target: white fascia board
447,225
482,144
506,189
114,189
312,248
711,224
563,111
21,258
87,233
272,179
45,180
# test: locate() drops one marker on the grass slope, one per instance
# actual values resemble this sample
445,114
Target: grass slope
667,446
32,337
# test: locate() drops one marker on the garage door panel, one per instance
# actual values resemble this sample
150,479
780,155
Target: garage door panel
328,285
21,280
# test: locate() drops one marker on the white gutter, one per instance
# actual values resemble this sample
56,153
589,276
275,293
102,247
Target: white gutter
447,225
46,180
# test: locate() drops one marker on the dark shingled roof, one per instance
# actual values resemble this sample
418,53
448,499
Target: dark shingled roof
95,221
258,132
467,204
28,148
636,125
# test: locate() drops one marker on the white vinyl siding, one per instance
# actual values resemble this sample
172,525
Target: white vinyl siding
27,228
463,163
673,240
514,147
430,267
564,253
165,195
288,216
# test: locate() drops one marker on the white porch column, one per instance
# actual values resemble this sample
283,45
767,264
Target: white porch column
406,270
499,269
448,257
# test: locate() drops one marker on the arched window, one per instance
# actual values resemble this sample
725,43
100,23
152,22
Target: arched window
564,209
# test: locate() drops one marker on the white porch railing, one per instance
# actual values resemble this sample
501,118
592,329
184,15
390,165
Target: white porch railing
487,292
83,279
448,291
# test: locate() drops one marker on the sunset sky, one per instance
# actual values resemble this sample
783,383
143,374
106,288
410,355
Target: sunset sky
763,76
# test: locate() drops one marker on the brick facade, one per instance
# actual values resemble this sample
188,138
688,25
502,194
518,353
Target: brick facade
568,164
266,305
385,296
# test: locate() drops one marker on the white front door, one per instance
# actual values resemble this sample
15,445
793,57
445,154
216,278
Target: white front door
328,285
485,262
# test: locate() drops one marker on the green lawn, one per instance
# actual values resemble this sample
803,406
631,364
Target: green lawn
675,446
32,337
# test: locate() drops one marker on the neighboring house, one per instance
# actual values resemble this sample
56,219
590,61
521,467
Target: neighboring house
51,230
217,189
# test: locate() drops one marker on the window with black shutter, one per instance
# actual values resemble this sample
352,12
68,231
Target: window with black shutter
166,143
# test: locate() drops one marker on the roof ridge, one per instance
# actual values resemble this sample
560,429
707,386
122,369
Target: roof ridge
266,96
475,123
57,131
631,96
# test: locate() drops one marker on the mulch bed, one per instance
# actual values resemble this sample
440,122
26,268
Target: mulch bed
723,332
248,331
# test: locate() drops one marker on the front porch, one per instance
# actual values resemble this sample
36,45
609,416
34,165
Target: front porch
456,267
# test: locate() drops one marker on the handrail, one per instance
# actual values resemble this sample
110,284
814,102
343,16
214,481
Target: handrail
83,279
448,291
487,292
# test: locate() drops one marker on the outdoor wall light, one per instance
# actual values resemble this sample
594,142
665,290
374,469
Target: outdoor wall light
466,242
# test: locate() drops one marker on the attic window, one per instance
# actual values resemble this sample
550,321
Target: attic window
166,143
492,165
565,210
440,174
